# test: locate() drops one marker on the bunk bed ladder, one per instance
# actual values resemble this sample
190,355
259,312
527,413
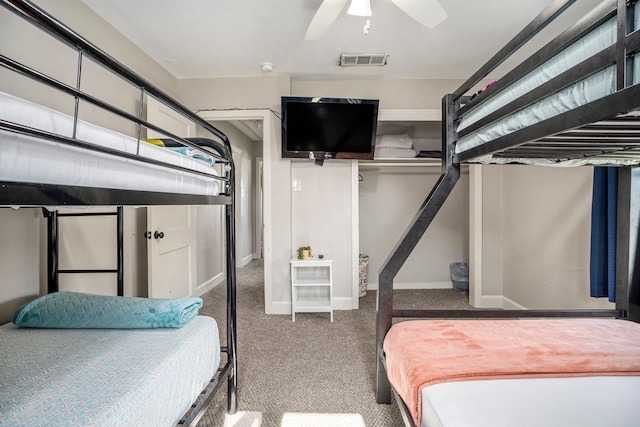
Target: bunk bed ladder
53,270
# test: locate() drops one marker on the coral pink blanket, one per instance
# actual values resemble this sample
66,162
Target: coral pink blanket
424,352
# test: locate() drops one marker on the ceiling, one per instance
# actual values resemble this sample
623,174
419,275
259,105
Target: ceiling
232,38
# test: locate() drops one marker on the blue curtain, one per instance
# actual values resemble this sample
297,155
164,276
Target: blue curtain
603,232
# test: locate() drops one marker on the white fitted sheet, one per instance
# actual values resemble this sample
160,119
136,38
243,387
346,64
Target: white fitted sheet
34,160
104,377
534,402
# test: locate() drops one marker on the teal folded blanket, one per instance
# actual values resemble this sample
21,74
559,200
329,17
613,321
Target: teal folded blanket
190,152
87,311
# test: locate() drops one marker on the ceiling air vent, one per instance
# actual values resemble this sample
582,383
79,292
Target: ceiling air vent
363,59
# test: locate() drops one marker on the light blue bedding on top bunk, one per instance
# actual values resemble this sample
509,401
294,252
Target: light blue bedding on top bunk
584,91
191,152
593,87
97,377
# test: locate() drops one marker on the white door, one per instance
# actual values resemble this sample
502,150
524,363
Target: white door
171,251
171,243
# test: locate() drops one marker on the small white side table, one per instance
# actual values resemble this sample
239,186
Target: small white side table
314,278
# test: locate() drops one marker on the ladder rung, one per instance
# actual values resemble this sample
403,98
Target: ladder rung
89,214
88,271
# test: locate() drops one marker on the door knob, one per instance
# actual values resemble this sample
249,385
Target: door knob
158,235
147,235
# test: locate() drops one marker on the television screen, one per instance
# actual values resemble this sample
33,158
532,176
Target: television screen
328,128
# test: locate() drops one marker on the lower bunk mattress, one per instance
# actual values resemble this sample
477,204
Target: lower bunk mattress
104,377
533,402
526,372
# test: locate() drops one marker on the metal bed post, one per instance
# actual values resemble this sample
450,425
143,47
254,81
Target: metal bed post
230,369
120,250
406,244
52,250
232,381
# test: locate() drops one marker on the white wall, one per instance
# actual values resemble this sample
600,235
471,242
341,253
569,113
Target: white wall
536,237
391,93
546,237
321,217
389,199
492,265
76,15
278,218
23,42
248,94
20,263
210,259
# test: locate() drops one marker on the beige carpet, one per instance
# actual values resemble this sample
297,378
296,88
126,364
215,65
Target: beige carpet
310,372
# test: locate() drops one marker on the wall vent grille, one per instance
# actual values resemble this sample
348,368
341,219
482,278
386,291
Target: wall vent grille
363,59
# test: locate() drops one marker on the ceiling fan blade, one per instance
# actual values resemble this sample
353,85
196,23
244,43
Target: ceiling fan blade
427,12
324,18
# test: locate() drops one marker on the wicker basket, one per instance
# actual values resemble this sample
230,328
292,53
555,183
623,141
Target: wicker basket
364,269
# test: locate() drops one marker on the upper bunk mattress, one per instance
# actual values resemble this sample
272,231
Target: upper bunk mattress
582,92
33,160
105,377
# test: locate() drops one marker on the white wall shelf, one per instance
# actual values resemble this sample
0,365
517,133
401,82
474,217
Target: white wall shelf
315,279
422,125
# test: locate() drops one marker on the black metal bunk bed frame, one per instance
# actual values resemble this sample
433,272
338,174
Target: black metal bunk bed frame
42,194
552,138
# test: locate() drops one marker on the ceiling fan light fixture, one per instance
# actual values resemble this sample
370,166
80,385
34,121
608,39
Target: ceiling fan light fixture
360,8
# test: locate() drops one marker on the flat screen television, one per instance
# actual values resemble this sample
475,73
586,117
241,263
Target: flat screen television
328,128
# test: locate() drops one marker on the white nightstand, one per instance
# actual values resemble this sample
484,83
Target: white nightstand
311,286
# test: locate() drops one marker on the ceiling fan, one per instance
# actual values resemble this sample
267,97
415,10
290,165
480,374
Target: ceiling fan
427,12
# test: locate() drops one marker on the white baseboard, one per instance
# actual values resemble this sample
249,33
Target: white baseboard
209,284
508,304
344,303
279,307
416,285
490,301
499,301
246,260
